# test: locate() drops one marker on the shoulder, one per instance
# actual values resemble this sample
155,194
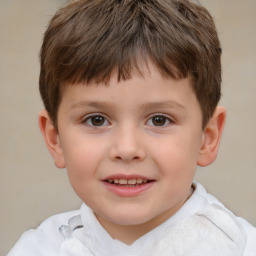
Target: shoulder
251,237
225,219
44,240
203,226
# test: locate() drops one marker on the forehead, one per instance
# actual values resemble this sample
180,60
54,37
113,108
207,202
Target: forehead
143,69
149,88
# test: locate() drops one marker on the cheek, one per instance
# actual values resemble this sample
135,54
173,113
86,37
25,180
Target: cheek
178,156
82,159
82,165
177,164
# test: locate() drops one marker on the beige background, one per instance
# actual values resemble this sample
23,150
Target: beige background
31,188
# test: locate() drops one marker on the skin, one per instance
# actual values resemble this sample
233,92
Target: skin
147,126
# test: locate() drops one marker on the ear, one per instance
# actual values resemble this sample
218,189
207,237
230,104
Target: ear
51,138
211,137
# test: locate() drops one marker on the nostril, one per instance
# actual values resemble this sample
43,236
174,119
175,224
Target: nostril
128,158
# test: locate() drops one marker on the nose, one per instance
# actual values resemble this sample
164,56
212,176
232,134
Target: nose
127,145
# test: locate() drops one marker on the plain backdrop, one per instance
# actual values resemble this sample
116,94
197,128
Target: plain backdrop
32,189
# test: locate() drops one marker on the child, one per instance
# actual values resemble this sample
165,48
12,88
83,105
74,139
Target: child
130,89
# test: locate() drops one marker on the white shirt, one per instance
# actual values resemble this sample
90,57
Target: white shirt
203,226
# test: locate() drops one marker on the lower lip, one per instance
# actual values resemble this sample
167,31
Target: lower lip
126,191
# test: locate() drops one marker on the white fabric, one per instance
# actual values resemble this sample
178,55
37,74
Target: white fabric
203,226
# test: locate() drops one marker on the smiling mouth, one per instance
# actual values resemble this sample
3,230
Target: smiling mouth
128,182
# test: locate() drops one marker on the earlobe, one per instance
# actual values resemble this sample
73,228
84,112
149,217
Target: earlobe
51,138
211,137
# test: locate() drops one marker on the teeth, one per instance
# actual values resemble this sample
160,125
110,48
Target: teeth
122,182
132,182
129,181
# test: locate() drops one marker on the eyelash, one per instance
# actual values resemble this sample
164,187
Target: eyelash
167,120
103,120
88,120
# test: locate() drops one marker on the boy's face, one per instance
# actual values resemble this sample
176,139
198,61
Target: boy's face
146,132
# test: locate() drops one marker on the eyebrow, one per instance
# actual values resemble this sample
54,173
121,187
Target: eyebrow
99,104
164,104
96,104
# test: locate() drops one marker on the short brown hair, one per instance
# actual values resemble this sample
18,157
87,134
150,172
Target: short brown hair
87,40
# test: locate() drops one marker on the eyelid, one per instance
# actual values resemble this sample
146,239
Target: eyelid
87,117
170,119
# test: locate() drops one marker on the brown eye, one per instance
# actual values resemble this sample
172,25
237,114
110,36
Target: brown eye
96,121
159,120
